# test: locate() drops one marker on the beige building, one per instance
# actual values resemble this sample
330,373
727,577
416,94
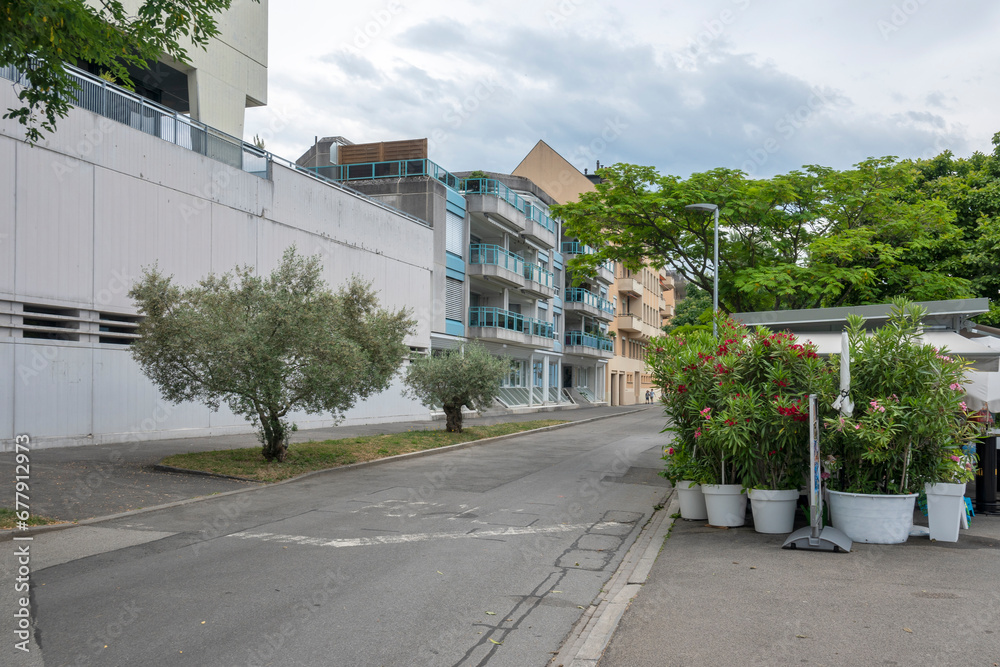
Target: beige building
644,300
641,302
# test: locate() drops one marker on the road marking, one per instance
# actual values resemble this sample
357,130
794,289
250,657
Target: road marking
415,537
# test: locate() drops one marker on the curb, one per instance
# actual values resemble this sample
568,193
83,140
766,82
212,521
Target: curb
586,643
8,533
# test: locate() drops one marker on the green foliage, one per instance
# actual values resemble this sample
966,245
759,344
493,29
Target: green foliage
738,407
265,346
811,238
38,36
694,310
910,419
455,378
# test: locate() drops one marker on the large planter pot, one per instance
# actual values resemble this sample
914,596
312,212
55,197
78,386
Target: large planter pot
773,510
875,519
726,504
945,509
692,501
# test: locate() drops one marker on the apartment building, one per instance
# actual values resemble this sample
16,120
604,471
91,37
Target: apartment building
497,267
642,299
637,304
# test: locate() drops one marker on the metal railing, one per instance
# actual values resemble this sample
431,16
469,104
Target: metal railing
118,104
486,253
498,318
580,295
125,107
576,248
491,186
590,340
368,171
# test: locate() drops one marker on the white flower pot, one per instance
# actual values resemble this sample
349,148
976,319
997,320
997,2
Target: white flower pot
945,509
875,519
773,510
726,504
692,501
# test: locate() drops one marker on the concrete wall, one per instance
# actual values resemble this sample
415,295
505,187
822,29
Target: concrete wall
83,212
230,74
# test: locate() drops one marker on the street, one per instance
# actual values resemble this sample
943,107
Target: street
481,556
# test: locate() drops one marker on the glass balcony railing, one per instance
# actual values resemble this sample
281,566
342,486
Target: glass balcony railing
490,186
576,248
125,107
590,340
485,253
367,171
497,318
580,295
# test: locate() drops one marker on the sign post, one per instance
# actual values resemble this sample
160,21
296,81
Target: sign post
814,536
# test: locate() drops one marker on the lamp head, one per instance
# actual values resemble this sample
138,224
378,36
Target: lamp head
701,207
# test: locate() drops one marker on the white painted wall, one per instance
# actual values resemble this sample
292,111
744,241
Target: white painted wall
84,211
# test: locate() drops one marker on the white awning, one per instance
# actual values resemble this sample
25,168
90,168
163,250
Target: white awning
984,358
982,389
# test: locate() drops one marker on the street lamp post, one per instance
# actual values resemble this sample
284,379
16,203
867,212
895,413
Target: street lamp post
715,262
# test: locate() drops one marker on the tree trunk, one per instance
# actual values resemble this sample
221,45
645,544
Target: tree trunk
453,418
275,446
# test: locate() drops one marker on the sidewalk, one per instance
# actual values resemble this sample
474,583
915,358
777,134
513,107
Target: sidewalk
735,597
74,483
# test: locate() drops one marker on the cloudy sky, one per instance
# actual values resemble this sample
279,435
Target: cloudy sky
762,86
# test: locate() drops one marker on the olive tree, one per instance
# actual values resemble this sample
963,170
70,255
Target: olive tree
453,378
266,346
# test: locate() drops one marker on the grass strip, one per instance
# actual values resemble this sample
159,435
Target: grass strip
310,456
8,519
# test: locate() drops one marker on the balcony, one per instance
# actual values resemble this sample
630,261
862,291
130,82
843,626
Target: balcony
630,287
539,227
650,330
576,248
505,326
490,196
589,345
368,171
606,272
628,323
580,300
504,267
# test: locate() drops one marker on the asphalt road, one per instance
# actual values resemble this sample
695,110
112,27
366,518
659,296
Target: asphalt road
482,556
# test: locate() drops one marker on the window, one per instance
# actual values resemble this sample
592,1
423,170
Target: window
454,234
515,376
453,309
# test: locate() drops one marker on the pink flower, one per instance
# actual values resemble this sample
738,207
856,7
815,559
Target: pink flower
697,433
965,408
857,427
954,386
825,475
670,451
956,459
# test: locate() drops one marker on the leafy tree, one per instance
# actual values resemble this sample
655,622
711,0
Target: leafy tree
693,312
455,378
39,36
811,238
970,187
268,345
